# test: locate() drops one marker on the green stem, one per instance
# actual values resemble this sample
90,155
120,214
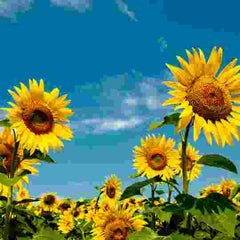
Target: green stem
169,193
9,207
184,158
153,215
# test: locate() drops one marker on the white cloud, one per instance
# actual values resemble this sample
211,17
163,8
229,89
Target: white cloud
123,7
124,102
78,5
8,8
119,124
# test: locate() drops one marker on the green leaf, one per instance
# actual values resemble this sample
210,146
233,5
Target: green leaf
216,160
135,175
223,222
146,233
23,173
171,119
159,192
3,198
8,181
185,200
97,188
38,155
26,201
5,123
48,234
134,189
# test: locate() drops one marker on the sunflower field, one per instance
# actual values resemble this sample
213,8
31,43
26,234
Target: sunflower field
37,121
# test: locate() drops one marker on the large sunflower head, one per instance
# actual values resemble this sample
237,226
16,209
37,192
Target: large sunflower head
37,116
157,156
193,169
115,224
206,98
111,189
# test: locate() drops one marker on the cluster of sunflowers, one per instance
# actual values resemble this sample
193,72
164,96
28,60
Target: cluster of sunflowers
38,122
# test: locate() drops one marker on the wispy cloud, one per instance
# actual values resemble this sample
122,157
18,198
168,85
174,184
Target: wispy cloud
9,8
123,102
80,6
123,7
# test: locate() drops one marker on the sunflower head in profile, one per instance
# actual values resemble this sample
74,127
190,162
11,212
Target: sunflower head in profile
205,98
157,156
6,150
193,169
133,202
116,223
37,117
111,190
210,189
226,187
48,202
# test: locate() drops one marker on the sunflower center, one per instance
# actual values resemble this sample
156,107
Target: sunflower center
49,200
116,230
111,192
157,160
38,118
64,206
226,192
209,99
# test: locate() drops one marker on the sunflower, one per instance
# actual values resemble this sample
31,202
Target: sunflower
77,211
115,224
48,202
133,202
111,189
24,194
156,157
37,117
66,222
90,210
6,150
226,187
210,189
193,169
206,98
64,205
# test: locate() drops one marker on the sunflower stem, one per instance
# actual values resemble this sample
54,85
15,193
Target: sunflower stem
184,159
153,215
169,193
9,207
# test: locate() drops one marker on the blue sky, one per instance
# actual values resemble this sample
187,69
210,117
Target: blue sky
109,57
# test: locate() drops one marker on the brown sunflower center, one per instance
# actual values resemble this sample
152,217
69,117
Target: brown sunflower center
209,99
116,230
49,200
76,213
226,192
157,159
38,118
64,206
111,191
